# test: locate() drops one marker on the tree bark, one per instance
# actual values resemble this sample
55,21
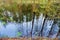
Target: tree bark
32,23
43,26
51,29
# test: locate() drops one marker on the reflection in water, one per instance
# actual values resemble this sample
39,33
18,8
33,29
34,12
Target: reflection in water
14,29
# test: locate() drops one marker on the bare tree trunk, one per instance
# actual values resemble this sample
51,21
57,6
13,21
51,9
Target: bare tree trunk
32,23
43,26
50,30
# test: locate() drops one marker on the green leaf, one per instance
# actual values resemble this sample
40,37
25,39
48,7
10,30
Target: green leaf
19,33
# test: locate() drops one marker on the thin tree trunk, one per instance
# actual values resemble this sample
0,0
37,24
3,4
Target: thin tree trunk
27,25
32,23
50,30
42,26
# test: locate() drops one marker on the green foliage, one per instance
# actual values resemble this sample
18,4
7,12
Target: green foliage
19,34
52,11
